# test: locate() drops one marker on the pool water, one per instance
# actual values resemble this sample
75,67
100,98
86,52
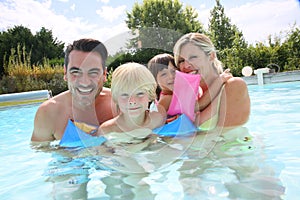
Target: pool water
257,161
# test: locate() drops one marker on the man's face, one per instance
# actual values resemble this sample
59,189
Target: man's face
85,76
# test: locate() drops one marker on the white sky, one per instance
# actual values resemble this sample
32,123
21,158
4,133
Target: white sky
105,19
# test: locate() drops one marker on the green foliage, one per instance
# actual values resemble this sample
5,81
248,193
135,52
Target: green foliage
39,46
291,47
22,76
160,23
140,56
222,33
33,62
107,83
235,53
46,46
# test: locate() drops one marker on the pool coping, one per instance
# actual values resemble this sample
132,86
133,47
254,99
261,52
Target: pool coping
277,77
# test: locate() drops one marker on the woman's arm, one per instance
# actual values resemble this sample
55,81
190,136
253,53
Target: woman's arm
235,103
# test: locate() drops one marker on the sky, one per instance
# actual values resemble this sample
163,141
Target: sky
104,20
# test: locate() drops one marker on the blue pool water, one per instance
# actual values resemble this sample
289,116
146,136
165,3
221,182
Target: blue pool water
257,161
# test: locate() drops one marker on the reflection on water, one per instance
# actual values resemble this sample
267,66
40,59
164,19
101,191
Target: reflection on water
227,164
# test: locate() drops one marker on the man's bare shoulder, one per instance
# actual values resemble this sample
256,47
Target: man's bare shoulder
55,104
50,118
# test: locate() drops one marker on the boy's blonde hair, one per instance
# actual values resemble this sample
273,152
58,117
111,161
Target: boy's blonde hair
130,77
201,41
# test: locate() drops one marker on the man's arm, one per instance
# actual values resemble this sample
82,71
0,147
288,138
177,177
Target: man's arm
43,125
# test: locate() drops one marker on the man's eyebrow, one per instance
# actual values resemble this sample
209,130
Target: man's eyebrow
95,69
74,68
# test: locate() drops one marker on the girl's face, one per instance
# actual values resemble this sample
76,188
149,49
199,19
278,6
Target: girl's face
133,103
194,60
165,78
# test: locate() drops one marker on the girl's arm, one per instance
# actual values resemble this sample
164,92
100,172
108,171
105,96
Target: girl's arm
165,101
212,91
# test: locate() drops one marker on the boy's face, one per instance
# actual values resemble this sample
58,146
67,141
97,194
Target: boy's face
85,76
133,103
165,78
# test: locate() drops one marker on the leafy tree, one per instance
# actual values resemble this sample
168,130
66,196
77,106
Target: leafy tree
221,31
291,47
46,46
19,35
160,23
37,47
142,56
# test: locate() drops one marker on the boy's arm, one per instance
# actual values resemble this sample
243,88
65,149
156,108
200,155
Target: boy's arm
157,118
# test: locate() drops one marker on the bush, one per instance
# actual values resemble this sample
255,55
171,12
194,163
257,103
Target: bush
22,77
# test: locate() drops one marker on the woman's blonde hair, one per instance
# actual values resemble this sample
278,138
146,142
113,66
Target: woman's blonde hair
201,41
132,76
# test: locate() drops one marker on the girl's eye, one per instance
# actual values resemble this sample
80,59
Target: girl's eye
163,74
180,61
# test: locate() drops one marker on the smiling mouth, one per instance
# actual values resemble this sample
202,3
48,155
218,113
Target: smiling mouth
84,91
133,109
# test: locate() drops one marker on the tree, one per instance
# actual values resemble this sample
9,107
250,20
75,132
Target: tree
221,31
46,46
17,36
160,23
291,47
38,47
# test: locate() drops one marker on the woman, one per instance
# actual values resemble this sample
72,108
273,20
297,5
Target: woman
226,106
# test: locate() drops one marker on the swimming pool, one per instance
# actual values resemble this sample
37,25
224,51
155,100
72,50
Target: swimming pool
257,161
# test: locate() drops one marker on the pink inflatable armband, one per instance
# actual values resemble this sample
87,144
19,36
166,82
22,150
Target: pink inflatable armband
185,93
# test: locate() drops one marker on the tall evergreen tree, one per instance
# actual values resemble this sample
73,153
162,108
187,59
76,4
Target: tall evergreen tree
223,34
46,46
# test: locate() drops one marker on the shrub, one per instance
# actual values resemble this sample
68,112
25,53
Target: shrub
22,77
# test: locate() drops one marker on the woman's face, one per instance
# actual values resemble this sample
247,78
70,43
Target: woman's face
165,78
193,60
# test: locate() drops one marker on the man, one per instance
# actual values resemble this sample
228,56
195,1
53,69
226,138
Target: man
85,101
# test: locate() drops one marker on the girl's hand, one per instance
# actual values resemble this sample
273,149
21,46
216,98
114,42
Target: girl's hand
225,76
